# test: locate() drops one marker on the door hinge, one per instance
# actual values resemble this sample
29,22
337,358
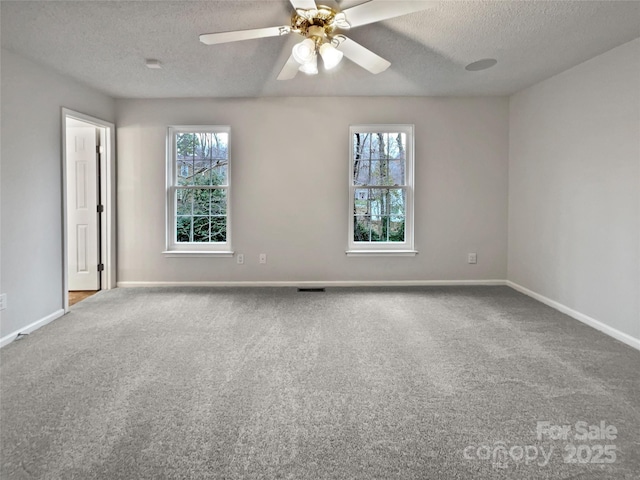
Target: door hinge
100,208
101,267
99,149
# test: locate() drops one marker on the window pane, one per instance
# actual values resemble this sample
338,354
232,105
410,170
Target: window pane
213,146
183,229
201,215
376,203
219,229
396,229
379,215
202,145
378,145
201,229
397,202
378,172
184,199
361,146
397,146
379,158
202,158
361,201
382,173
379,201
186,145
395,172
362,172
361,230
219,172
218,202
201,172
377,230
185,172
201,201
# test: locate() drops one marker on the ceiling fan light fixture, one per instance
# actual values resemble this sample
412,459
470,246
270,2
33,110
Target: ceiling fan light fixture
310,67
331,56
319,26
304,51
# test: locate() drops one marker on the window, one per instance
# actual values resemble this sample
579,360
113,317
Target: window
381,190
198,191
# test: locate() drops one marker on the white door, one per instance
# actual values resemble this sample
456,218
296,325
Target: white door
82,201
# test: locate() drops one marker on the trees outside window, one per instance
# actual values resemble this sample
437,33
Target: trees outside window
381,189
198,189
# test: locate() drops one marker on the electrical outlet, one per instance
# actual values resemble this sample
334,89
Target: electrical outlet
3,301
240,258
472,258
263,258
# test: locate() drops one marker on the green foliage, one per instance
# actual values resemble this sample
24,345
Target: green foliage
379,230
397,235
360,232
203,217
186,144
202,164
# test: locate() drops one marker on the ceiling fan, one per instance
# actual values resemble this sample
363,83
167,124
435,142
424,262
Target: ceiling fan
320,27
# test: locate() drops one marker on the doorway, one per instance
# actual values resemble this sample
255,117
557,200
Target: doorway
88,206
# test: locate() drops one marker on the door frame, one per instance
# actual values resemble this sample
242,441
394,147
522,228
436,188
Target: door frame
107,199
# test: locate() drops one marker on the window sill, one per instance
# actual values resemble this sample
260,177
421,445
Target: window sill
193,253
381,253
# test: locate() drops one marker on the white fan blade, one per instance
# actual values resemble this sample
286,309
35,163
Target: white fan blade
226,37
303,4
289,70
362,56
378,10
344,4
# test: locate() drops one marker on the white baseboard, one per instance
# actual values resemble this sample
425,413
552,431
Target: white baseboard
592,322
7,339
319,284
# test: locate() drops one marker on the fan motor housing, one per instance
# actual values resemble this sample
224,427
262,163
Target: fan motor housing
312,22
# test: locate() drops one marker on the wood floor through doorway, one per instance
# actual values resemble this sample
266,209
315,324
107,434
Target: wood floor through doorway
79,295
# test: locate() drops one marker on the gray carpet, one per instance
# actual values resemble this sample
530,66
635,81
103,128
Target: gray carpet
406,383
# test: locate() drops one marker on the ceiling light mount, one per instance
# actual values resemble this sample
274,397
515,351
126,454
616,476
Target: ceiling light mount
321,19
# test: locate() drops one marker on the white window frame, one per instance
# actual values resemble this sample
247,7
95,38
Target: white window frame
179,249
405,248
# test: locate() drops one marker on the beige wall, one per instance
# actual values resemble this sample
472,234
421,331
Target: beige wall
290,188
574,188
31,255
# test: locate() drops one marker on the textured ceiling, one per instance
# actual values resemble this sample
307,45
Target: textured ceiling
104,44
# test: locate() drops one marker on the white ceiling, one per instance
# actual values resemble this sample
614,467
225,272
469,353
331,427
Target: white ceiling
105,44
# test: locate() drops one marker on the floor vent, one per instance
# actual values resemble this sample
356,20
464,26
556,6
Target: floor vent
309,290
